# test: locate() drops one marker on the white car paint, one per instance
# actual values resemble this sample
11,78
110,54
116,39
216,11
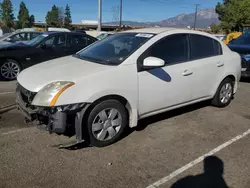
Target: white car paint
147,95
58,29
220,36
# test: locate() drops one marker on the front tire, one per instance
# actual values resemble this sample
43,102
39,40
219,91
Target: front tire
224,94
106,123
9,69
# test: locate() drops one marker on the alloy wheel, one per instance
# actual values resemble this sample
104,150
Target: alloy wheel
10,70
226,93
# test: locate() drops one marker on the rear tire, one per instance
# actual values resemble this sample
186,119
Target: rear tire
106,123
9,69
224,94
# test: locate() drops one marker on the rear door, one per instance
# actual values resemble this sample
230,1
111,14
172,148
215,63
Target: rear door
207,65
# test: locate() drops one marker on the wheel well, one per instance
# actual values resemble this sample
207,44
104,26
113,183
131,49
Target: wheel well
232,77
119,98
107,97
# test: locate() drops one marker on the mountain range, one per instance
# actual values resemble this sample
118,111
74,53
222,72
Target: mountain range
205,18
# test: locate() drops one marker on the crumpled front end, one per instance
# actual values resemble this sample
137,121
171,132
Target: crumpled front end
61,120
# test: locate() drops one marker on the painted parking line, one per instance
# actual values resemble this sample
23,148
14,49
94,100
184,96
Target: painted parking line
198,160
12,132
6,93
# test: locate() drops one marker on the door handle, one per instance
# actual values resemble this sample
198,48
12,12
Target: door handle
219,64
187,73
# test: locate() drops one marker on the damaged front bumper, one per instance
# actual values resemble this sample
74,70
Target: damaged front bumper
63,120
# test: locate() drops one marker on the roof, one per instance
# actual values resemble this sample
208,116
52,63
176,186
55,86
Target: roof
154,30
158,30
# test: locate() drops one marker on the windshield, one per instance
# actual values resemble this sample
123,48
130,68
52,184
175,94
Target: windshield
243,39
37,40
5,35
114,49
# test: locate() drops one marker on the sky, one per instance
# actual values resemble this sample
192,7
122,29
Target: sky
133,10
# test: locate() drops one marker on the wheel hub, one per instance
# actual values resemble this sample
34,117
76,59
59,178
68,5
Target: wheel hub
106,124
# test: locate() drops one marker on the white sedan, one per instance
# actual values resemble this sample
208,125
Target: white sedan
106,87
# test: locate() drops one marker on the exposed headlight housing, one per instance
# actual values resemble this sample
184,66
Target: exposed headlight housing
49,94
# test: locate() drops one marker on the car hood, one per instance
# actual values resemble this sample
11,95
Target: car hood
4,43
62,69
241,49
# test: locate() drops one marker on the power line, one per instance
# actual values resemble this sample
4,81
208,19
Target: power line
166,2
115,11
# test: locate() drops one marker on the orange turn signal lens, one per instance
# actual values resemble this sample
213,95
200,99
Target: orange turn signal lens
53,102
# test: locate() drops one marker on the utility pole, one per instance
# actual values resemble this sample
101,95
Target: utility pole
99,15
120,15
195,16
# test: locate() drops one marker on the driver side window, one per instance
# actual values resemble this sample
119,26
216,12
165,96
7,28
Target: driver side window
56,41
16,37
172,49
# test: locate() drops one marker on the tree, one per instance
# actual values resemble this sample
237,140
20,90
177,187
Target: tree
67,18
7,15
233,14
52,17
215,28
32,20
23,16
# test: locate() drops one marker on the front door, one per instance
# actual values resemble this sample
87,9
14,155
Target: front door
168,86
53,47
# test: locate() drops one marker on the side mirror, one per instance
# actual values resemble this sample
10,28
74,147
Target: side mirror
153,62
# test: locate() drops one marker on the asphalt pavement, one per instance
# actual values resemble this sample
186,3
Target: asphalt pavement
165,150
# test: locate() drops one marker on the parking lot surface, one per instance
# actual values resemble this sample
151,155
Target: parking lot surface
159,146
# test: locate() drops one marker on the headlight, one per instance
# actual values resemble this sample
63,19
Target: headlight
49,94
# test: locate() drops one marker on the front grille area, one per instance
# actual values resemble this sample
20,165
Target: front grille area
25,95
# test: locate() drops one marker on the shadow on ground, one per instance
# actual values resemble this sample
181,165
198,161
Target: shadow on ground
212,177
144,123
246,80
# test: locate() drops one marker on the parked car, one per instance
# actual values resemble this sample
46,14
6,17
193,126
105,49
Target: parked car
104,35
241,45
18,36
47,46
99,92
232,36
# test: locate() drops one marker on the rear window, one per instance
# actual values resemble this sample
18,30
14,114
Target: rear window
203,47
